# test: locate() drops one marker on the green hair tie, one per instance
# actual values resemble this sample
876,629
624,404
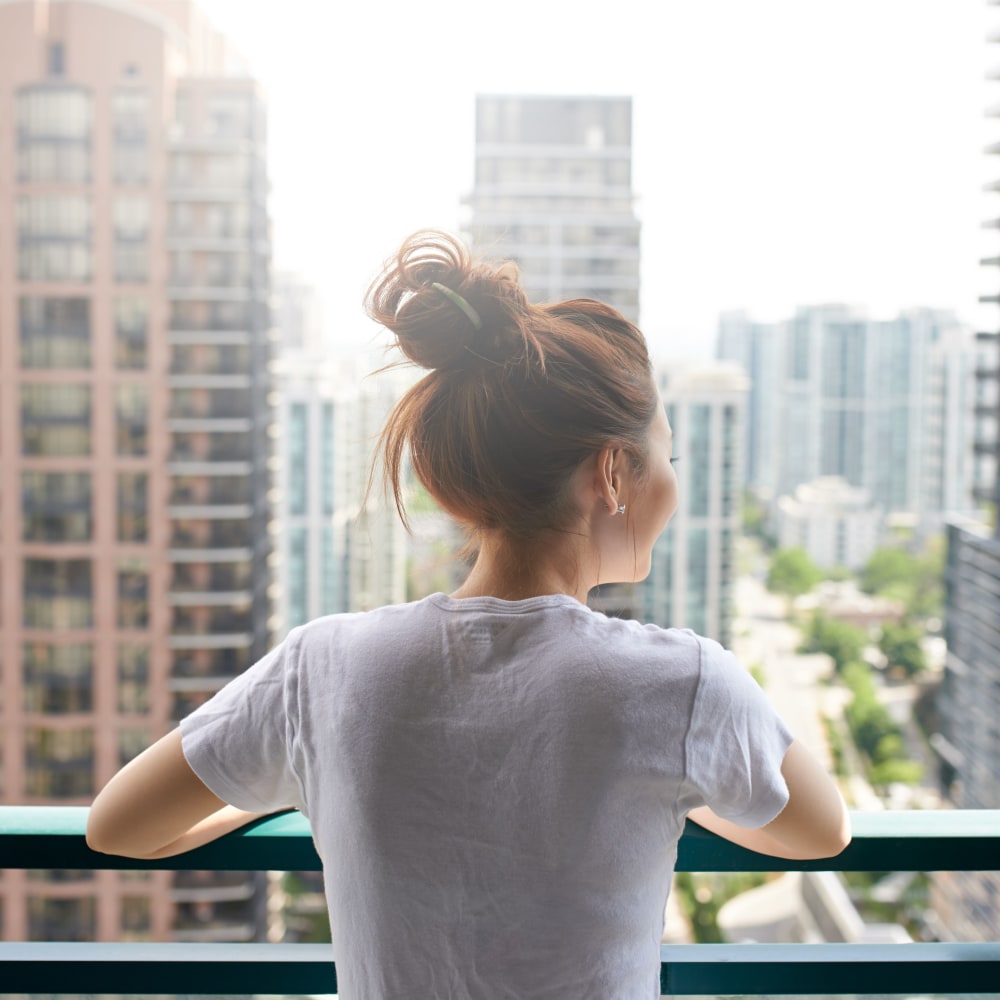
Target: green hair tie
457,300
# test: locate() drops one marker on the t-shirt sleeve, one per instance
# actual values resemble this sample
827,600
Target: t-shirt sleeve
241,742
736,742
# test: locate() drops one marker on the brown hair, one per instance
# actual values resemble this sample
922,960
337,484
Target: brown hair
514,403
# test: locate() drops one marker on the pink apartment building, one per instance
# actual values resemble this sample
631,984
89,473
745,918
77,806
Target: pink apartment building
134,465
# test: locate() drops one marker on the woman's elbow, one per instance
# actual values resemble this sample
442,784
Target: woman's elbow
104,838
832,842
98,838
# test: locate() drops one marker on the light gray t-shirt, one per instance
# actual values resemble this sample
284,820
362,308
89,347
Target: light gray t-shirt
496,788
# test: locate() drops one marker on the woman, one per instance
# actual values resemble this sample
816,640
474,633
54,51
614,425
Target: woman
496,780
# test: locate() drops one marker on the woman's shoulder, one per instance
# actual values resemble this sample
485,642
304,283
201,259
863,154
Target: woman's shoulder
384,616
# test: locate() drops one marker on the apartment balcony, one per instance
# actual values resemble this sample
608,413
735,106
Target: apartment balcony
953,840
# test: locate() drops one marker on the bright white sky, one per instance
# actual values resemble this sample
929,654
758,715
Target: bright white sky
787,152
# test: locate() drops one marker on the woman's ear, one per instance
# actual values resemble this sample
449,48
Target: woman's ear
608,477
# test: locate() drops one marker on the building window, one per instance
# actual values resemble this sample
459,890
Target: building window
697,579
136,922
133,594
59,763
229,116
54,132
329,453
298,459
58,679
130,153
57,59
133,679
55,419
131,743
54,237
298,576
329,577
55,332
210,315
131,418
62,919
56,506
133,506
58,593
697,458
130,216
210,359
131,332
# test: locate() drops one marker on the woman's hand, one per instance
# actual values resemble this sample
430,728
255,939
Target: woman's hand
156,806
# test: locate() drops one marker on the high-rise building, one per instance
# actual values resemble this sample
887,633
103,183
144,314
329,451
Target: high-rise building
967,905
553,192
886,405
691,581
134,407
335,553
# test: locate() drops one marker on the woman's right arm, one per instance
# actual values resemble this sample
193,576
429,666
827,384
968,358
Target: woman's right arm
813,824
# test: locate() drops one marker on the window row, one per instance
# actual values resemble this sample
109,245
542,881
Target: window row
599,171
228,169
211,268
74,918
59,763
56,332
56,419
59,593
55,135
59,678
58,506
55,236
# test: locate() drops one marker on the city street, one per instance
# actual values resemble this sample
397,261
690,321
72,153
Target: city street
764,640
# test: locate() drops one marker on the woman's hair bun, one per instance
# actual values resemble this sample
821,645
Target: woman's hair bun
446,311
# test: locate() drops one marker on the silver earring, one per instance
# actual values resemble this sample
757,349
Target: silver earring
621,509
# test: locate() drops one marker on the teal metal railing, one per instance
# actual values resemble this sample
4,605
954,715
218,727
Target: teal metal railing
952,840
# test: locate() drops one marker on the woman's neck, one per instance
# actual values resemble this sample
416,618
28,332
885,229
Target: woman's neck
514,573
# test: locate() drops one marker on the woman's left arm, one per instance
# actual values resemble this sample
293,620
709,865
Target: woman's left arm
156,806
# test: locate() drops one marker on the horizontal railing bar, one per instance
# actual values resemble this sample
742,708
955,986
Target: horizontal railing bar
920,840
810,969
779,969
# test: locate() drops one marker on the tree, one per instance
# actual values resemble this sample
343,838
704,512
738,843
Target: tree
755,520
901,645
915,581
886,570
841,641
927,599
792,573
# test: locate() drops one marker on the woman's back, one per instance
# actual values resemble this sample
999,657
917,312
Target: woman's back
496,788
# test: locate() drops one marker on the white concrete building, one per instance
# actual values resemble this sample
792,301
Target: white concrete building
331,555
692,577
836,523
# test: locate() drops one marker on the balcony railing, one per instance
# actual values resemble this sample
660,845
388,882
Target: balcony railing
952,840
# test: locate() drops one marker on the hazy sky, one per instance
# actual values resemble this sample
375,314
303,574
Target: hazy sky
787,152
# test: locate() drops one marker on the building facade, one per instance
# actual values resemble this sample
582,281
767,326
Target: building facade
834,522
334,552
553,192
134,407
968,906
691,583
886,405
